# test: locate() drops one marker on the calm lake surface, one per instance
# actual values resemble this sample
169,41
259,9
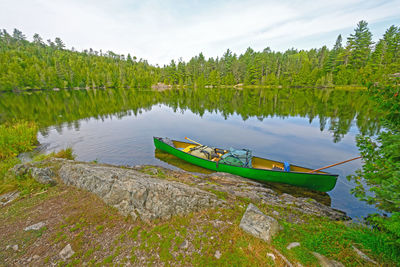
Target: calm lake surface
307,127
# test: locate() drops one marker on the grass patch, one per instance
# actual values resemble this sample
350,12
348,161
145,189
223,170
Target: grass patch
16,137
379,243
66,153
154,171
220,194
334,240
99,229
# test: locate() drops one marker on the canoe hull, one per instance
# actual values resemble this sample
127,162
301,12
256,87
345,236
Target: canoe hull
314,181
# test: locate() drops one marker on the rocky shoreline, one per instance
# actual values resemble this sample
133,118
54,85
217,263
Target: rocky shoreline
136,192
168,215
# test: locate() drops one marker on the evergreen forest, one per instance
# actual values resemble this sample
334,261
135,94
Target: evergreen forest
355,61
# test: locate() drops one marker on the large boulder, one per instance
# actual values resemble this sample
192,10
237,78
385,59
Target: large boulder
258,224
134,193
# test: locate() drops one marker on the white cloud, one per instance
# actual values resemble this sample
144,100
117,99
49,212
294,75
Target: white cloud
163,30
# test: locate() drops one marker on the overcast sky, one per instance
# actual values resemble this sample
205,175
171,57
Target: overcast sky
161,30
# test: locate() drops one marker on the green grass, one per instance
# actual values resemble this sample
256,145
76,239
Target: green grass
220,194
15,138
150,171
334,240
379,243
66,153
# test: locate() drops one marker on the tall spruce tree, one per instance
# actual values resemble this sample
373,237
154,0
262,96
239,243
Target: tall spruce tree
359,45
333,54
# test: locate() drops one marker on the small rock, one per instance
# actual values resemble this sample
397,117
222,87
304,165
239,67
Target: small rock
364,256
184,245
35,257
25,157
217,223
275,213
271,255
287,262
153,171
35,226
8,197
293,245
43,175
258,224
15,247
325,262
217,254
66,252
20,169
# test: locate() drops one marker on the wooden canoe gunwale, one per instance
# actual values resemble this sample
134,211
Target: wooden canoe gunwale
217,167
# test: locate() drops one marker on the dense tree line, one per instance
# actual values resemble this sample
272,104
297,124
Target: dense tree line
355,63
37,64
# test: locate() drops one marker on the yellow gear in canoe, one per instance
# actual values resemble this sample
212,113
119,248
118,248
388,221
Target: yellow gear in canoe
187,149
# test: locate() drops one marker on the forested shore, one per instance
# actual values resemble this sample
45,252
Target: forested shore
355,61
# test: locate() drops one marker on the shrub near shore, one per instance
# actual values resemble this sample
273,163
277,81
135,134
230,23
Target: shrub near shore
16,137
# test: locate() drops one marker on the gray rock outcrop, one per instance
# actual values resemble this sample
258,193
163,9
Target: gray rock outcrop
258,224
137,194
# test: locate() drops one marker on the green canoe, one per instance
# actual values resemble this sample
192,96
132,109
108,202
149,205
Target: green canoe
261,170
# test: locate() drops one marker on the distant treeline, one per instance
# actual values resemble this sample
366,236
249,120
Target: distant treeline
41,65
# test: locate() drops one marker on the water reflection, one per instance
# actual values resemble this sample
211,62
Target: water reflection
179,163
335,110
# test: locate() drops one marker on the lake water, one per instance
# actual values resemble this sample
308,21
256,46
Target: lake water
306,127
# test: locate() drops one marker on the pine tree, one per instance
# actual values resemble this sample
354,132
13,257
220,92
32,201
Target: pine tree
37,39
333,55
17,35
